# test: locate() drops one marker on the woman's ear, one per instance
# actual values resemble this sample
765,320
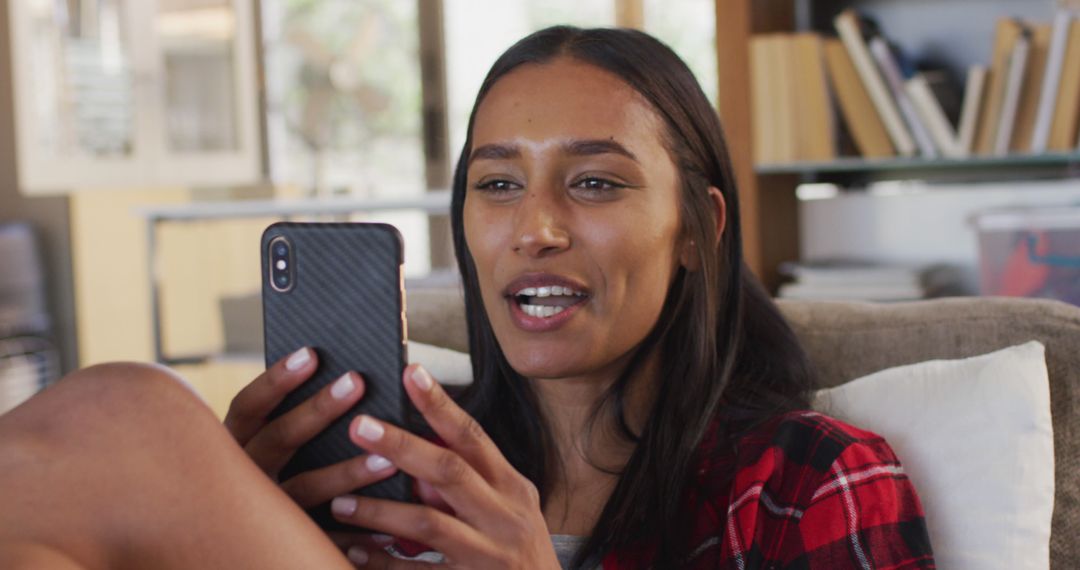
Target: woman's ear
688,257
720,206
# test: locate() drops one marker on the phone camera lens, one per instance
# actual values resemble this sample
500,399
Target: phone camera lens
281,261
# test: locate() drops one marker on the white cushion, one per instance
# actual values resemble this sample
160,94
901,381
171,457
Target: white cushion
445,365
975,438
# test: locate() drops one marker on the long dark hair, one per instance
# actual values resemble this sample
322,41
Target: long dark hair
724,347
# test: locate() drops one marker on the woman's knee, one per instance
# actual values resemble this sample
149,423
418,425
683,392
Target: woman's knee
107,435
128,378
108,396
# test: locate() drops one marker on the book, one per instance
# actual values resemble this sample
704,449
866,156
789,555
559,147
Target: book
1031,86
793,116
879,293
933,116
894,78
783,81
848,26
860,116
851,271
852,279
761,100
1055,58
1010,101
948,93
1063,127
815,135
1007,31
774,139
974,89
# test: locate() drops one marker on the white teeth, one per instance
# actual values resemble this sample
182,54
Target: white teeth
548,291
543,311
552,291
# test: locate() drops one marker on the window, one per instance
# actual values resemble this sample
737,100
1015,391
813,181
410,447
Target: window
478,31
689,27
343,105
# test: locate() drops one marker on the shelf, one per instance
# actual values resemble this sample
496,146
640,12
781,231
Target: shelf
219,357
434,202
859,165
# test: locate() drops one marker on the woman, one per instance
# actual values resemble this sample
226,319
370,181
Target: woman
638,401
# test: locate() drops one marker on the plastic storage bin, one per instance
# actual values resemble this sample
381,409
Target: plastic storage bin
1030,253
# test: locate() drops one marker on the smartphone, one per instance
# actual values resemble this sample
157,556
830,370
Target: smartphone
338,288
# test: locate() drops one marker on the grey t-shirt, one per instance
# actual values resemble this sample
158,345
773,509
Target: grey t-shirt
566,546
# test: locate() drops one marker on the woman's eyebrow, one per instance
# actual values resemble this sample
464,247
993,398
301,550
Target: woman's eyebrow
579,147
597,146
494,152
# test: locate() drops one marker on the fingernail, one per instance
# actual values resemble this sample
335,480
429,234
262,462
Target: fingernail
342,387
378,463
343,506
369,429
382,539
422,379
358,555
297,360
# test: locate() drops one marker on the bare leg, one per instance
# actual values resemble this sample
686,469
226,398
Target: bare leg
120,466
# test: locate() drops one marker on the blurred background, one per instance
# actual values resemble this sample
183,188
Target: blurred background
145,144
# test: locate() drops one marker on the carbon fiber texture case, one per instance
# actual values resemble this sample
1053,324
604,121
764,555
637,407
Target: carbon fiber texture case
346,302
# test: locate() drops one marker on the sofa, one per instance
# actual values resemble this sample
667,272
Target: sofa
850,340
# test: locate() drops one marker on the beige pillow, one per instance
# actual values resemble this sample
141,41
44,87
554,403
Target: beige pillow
445,365
976,439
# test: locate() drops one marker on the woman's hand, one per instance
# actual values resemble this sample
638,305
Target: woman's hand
496,521
271,443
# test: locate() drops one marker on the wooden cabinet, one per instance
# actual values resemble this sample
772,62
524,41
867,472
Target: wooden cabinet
767,203
134,94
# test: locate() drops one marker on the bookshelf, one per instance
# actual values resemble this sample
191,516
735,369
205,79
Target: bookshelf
1064,163
953,33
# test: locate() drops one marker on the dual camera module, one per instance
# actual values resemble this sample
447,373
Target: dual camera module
281,264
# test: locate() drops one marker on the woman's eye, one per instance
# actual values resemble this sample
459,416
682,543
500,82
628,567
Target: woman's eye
595,184
495,185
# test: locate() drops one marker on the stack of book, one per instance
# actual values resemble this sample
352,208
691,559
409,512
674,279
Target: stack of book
854,280
1027,100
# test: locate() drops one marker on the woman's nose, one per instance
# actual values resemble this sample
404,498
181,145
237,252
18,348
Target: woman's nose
539,225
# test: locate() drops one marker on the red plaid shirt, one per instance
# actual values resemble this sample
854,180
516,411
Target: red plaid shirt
809,491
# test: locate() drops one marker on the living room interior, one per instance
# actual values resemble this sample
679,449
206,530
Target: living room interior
908,173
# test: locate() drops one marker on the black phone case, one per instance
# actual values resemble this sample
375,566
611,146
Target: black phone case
346,302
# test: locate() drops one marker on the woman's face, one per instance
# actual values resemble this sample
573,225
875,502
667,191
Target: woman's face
571,216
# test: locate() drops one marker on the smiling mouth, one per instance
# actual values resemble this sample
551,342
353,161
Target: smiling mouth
546,302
